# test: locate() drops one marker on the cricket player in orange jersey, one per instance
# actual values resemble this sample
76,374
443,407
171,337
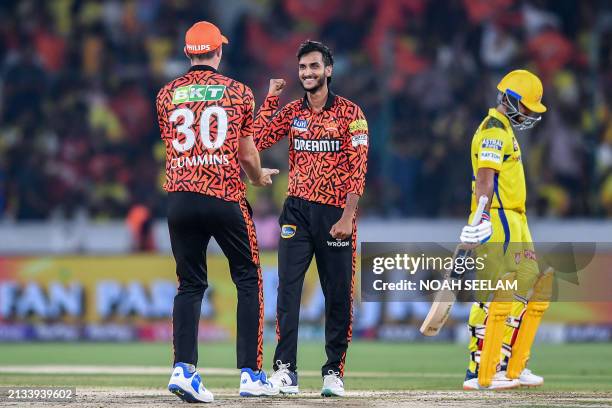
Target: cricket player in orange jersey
328,146
206,122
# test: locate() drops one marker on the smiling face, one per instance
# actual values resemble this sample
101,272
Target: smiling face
312,71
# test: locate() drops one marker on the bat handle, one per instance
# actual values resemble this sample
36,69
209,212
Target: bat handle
482,203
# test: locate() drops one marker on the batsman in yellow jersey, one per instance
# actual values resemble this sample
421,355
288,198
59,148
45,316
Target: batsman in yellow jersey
504,326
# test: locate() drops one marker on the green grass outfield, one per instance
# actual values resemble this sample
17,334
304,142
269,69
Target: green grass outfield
396,366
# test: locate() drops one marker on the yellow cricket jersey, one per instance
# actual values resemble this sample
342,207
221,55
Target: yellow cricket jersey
494,146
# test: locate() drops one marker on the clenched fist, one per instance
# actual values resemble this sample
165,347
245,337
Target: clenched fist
343,229
276,87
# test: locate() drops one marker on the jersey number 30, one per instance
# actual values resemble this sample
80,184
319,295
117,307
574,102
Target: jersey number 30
185,128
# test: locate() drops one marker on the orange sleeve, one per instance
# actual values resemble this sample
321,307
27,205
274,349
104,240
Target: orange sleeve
162,117
270,127
249,111
357,140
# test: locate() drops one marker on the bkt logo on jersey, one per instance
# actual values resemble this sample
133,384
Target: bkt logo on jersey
300,125
198,93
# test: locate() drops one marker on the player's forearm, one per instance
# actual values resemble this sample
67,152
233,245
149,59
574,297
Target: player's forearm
350,207
252,166
248,156
484,185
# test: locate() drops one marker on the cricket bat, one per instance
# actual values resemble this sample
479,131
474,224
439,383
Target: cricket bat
445,299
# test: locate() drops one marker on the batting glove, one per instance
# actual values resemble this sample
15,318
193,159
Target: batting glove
478,234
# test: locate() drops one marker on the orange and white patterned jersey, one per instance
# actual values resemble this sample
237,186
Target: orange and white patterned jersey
202,115
327,149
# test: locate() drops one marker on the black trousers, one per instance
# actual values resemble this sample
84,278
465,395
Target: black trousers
305,227
192,220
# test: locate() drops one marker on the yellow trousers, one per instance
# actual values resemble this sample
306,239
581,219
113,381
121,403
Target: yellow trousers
510,249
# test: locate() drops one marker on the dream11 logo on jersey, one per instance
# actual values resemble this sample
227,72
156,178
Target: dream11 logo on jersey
185,117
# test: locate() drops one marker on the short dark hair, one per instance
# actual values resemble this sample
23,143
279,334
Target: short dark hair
309,46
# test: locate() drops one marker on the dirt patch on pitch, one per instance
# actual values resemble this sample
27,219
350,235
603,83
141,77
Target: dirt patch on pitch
134,398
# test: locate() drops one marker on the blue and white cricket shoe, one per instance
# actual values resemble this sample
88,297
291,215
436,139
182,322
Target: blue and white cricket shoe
285,379
188,385
256,385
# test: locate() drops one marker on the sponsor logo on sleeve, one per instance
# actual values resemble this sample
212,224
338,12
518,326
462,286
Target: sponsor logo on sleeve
361,139
198,93
359,125
301,125
288,231
491,156
492,144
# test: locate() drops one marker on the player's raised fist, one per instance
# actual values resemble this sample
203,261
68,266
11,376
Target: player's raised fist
276,87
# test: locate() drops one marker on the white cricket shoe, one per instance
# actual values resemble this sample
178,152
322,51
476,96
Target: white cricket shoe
333,386
529,379
256,384
188,385
285,379
500,382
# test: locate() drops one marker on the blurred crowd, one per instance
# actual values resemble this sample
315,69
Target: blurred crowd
79,136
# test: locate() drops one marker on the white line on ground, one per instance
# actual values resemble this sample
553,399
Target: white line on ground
212,371
148,370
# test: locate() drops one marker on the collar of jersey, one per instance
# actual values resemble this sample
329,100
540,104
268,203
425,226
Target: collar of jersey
202,68
331,98
500,116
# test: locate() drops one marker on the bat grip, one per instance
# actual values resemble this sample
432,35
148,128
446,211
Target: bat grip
482,203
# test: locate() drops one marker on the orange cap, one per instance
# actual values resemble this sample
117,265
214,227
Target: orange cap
203,37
